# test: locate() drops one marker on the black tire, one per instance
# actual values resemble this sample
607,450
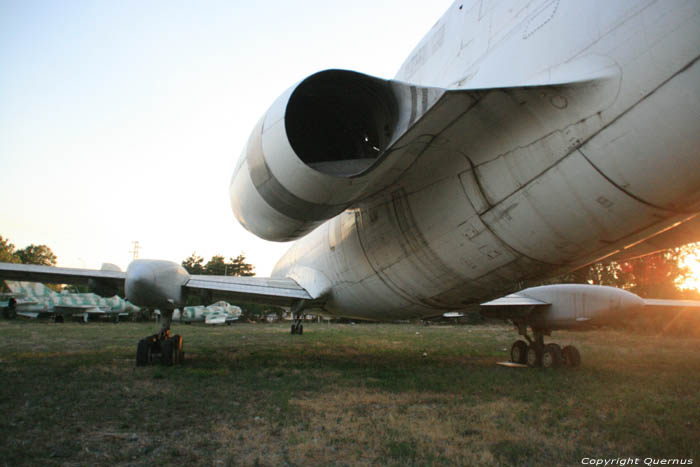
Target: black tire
300,329
294,328
166,352
534,356
571,356
58,319
551,356
142,353
518,352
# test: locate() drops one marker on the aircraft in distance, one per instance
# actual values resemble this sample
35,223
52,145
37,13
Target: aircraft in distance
519,140
220,312
34,300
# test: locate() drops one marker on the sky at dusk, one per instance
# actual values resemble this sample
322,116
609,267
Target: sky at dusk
122,121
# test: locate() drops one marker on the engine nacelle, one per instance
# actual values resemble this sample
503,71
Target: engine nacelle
566,306
155,283
321,147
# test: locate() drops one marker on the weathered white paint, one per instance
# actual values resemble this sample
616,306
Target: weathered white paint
571,132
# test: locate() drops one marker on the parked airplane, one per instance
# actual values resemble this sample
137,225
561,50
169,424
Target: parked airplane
519,140
34,300
220,312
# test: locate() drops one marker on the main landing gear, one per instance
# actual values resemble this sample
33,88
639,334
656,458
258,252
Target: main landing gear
297,326
535,353
162,347
298,317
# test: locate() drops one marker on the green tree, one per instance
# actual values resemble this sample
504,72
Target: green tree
7,252
655,276
215,266
238,267
652,276
37,254
194,264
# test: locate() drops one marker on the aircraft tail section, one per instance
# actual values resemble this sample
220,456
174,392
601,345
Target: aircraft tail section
30,289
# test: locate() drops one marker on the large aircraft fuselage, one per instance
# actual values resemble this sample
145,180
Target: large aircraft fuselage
580,139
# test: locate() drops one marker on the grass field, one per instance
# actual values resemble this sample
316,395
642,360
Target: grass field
70,394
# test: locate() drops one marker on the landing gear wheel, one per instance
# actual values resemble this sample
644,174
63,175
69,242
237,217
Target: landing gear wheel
518,352
166,352
571,356
534,356
143,353
300,329
294,328
58,319
551,356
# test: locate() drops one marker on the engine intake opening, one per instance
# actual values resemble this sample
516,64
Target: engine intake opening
339,122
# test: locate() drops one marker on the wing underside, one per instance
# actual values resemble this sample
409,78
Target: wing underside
264,290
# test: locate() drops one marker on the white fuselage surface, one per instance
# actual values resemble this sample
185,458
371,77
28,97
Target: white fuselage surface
572,133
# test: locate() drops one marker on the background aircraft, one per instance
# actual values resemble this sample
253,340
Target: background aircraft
220,312
518,141
34,300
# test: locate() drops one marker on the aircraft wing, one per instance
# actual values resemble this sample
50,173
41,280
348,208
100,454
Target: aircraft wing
91,309
53,275
265,290
661,303
215,320
273,291
29,314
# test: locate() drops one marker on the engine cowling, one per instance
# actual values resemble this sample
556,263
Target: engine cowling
155,283
566,306
323,145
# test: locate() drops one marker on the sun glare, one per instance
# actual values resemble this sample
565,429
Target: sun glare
691,259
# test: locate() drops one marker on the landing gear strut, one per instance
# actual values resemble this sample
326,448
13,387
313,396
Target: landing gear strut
297,326
298,316
162,347
535,353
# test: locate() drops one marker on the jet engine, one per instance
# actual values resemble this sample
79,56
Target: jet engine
324,144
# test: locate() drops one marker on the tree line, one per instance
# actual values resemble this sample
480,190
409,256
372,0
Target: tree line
217,266
32,254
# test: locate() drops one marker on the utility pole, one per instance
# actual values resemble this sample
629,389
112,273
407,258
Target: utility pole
135,250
